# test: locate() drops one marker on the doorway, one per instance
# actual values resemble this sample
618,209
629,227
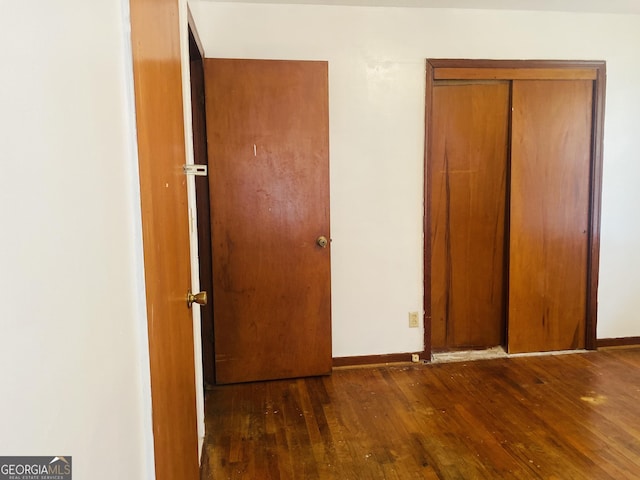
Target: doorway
200,157
513,173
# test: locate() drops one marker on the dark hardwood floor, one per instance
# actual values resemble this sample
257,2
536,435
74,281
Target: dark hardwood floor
559,417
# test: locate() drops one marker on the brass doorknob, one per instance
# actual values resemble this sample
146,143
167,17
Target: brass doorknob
200,298
322,241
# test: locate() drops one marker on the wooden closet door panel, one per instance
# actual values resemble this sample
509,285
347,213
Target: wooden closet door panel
550,165
468,164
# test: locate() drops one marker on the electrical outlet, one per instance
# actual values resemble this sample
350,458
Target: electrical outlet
414,320
415,358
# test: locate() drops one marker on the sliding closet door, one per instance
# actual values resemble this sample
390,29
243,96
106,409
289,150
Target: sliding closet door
550,168
468,164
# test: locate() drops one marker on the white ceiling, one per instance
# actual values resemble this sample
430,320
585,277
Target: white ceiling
592,6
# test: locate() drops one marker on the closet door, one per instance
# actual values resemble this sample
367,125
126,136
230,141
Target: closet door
550,168
468,193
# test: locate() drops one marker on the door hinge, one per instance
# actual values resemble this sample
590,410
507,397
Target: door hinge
197,170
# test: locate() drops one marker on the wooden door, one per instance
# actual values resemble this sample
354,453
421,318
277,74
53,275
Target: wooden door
155,37
550,169
469,150
267,129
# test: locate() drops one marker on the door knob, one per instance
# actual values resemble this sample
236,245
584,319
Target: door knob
322,241
200,298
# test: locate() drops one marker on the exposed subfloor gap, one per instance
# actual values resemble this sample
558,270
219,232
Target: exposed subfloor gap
490,353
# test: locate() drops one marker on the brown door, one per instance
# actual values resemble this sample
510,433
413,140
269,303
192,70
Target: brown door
267,129
160,127
550,168
468,194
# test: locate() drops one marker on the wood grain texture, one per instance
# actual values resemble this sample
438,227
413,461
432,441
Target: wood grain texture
516,73
375,359
550,174
544,417
535,67
161,152
468,196
267,124
456,68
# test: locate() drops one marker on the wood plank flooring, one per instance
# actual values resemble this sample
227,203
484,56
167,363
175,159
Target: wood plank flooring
561,417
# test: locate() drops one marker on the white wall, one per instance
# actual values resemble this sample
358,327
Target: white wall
376,82
74,374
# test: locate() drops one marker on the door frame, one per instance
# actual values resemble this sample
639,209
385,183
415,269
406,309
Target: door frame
203,208
465,69
159,109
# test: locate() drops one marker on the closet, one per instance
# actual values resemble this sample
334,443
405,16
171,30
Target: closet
513,173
